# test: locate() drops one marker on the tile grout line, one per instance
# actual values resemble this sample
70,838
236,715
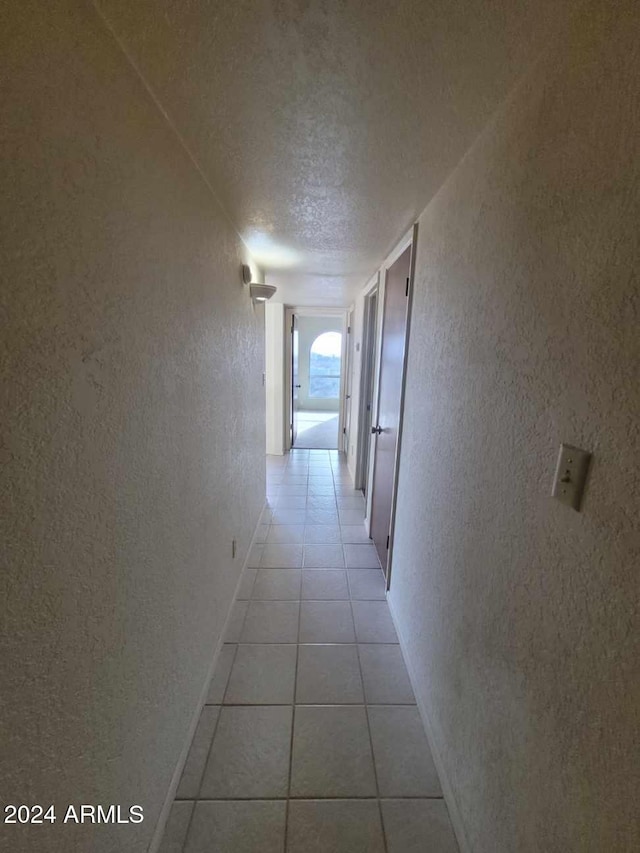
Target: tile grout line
306,796
251,591
373,757
215,728
295,687
188,830
206,761
226,687
197,798
351,610
293,722
244,620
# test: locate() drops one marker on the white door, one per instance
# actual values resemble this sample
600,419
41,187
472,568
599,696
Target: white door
348,379
295,379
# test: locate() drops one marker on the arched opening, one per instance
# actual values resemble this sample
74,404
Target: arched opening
324,366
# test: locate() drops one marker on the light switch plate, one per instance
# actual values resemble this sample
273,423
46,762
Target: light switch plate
571,475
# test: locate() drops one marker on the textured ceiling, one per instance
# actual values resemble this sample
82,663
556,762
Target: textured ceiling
324,126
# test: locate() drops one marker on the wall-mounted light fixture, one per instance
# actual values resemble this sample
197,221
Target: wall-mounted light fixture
262,292
259,292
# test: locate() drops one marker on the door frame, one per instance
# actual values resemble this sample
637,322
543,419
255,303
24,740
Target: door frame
409,239
289,313
370,320
292,387
346,376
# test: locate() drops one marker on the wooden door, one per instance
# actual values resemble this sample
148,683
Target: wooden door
385,431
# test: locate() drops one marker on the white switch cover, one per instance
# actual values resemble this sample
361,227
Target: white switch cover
571,475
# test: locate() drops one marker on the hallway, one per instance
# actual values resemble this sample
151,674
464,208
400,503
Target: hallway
310,739
418,220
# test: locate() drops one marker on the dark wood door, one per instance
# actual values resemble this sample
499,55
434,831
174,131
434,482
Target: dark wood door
394,330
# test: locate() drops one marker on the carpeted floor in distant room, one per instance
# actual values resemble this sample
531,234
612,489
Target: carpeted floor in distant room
317,430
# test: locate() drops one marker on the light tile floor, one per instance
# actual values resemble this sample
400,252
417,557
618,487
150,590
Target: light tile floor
310,741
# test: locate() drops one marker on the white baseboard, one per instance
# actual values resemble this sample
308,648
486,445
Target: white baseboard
449,798
156,839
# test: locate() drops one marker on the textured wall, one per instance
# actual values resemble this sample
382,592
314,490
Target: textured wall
521,616
133,410
274,376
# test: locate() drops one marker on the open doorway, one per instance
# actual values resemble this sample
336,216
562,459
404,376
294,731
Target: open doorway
316,381
367,389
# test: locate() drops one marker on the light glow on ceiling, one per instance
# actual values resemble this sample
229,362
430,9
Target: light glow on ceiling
269,254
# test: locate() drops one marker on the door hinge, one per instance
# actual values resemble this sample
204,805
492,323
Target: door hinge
387,543
406,292
348,330
344,430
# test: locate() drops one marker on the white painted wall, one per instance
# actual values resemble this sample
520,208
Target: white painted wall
518,614
275,377
133,417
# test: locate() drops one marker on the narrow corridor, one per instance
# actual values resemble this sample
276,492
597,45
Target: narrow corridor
310,739
407,231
